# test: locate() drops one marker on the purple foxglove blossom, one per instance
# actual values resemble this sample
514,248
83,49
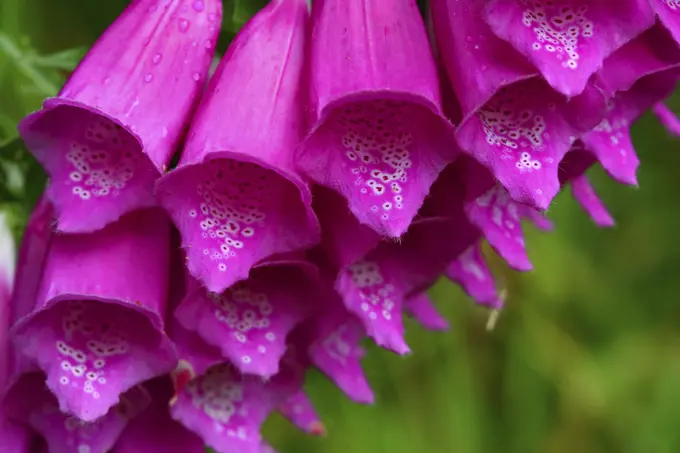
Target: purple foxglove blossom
97,328
299,409
236,196
585,195
470,271
375,277
637,76
513,121
423,310
335,349
667,118
249,322
379,137
153,430
65,433
226,408
114,127
567,40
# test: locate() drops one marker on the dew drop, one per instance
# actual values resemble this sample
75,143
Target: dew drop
198,5
197,76
157,58
208,44
148,78
183,25
212,17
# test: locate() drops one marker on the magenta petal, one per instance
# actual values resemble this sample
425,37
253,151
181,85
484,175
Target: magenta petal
224,408
669,119
336,351
14,438
470,271
499,219
236,196
299,409
98,326
539,219
523,133
669,15
153,430
567,40
115,125
652,52
584,193
421,308
65,433
379,137
250,321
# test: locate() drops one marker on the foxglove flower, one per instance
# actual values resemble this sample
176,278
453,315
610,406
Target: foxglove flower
226,409
113,128
336,351
97,328
249,322
65,433
513,121
423,310
567,40
236,196
378,136
380,275
15,438
153,429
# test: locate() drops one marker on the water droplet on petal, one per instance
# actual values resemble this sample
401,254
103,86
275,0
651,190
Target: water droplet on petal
212,17
197,76
157,58
148,78
183,25
198,5
208,44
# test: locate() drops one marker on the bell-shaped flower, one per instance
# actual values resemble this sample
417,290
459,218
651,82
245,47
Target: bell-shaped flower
336,350
250,321
378,135
115,125
567,40
236,196
97,327
514,123
66,433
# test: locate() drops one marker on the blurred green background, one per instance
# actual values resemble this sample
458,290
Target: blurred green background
585,357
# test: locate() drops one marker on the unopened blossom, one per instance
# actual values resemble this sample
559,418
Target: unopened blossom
97,327
113,128
236,196
514,122
378,135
